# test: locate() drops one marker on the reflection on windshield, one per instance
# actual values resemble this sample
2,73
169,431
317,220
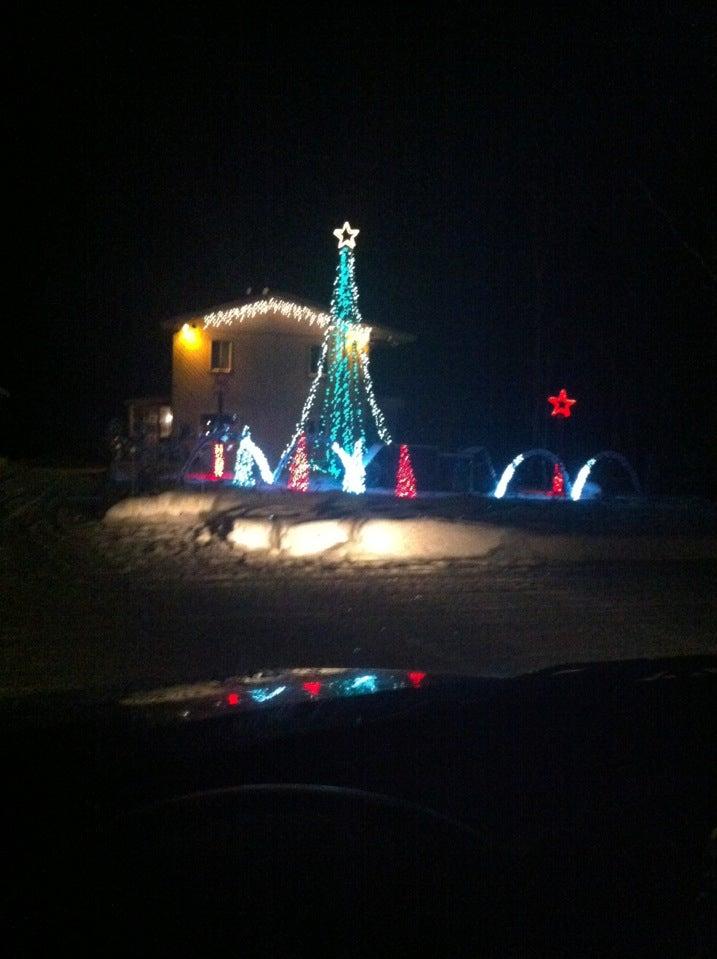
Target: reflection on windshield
296,685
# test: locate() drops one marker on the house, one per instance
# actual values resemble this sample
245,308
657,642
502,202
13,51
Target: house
255,357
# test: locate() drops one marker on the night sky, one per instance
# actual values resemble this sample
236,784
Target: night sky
535,197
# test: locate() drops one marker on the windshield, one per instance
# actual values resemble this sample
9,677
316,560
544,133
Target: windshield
359,357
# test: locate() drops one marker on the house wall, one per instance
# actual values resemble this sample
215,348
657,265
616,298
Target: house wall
268,383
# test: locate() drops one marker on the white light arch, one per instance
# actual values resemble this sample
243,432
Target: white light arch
586,469
509,472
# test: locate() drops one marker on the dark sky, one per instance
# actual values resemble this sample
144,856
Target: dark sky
535,197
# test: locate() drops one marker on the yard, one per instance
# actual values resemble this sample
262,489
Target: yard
89,605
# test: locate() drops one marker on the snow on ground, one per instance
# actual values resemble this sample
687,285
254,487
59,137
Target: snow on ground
140,604
336,526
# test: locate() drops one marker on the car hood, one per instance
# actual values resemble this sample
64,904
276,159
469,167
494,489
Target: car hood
271,692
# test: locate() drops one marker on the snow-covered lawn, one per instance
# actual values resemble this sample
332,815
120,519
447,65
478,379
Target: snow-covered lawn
160,600
332,526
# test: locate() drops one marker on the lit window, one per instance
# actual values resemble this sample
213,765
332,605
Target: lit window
221,356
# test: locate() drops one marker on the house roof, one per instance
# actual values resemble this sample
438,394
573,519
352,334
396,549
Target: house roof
249,306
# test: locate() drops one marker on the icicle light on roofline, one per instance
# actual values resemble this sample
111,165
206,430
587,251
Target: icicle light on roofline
237,314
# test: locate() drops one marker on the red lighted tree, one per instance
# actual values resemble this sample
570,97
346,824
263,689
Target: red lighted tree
299,467
405,478
558,487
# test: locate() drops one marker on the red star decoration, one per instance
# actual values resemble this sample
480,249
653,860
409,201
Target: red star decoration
561,404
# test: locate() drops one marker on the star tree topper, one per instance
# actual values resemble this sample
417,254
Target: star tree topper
561,404
344,240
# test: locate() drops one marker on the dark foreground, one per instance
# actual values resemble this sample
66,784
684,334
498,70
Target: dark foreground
565,813
88,606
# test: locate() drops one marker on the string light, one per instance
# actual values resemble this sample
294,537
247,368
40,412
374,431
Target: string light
350,240
509,471
342,413
584,472
248,454
405,477
299,468
244,464
344,369
580,480
261,461
378,418
294,311
308,404
558,485
354,480
218,468
561,404
508,474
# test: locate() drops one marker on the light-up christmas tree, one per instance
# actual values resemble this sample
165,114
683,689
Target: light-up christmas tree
557,487
244,466
299,468
218,461
405,477
341,395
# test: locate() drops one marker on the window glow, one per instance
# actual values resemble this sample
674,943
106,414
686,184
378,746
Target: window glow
233,699
312,688
416,678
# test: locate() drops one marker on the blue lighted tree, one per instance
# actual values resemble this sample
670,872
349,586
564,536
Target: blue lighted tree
342,392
